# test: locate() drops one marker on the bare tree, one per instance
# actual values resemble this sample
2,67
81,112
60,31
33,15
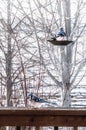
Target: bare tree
26,31
13,59
43,24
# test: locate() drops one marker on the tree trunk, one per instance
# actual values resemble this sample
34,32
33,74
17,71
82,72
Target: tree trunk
66,99
66,54
9,56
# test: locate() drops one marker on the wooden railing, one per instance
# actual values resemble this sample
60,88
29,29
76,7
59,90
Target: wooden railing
43,117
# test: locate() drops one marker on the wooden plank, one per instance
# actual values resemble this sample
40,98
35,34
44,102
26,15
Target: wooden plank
43,120
42,117
44,111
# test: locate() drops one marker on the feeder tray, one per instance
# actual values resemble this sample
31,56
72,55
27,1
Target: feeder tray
60,43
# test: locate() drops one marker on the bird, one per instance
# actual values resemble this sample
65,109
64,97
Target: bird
61,33
39,101
35,98
53,37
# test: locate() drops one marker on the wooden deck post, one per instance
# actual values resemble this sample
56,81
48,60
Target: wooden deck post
75,128
18,128
55,127
37,128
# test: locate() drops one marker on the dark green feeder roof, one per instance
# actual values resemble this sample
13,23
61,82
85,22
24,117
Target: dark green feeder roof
60,42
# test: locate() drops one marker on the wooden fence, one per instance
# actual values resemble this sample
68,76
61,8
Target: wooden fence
43,117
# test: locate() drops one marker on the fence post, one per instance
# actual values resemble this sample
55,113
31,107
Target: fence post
75,128
37,128
18,128
55,127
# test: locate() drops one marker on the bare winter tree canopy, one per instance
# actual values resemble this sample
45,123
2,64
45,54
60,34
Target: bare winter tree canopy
28,62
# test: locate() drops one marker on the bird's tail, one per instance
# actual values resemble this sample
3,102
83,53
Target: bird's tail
52,103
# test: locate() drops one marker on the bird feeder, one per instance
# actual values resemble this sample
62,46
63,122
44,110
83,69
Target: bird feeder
60,42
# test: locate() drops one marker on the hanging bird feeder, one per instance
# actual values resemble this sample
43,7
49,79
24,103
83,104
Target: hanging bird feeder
60,42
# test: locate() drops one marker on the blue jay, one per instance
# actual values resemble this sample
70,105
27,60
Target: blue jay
39,101
61,33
